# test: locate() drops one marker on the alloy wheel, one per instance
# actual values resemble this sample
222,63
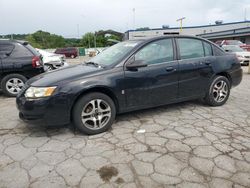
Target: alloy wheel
96,114
14,85
220,91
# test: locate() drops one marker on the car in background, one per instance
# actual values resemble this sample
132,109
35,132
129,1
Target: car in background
19,61
68,52
52,61
233,42
129,76
242,55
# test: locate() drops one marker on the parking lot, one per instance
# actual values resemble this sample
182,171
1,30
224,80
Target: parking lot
182,145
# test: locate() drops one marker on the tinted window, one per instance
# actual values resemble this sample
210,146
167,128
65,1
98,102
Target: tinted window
30,48
5,49
208,49
21,51
218,51
156,52
190,48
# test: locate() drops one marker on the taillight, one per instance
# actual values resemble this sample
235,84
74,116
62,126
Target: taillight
36,61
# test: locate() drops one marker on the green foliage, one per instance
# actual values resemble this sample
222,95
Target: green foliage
14,36
71,42
42,39
89,39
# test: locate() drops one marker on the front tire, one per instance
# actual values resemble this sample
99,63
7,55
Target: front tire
94,113
218,92
12,84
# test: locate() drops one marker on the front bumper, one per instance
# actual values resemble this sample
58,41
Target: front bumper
244,61
51,111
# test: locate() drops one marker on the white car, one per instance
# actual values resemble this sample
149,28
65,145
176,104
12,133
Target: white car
242,55
52,61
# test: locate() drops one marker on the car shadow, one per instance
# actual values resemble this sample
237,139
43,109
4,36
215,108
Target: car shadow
164,108
36,128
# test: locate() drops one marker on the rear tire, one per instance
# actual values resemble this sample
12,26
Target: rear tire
48,67
12,84
94,113
218,92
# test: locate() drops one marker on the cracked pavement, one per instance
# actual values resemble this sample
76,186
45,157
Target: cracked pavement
184,145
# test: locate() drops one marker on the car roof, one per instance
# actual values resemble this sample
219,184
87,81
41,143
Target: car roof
149,39
13,41
225,46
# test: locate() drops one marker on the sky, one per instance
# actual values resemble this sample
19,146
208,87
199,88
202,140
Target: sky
73,18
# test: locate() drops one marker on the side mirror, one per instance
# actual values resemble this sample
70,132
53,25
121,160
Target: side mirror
134,65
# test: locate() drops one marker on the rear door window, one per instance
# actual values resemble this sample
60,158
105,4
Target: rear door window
33,50
190,48
21,51
6,49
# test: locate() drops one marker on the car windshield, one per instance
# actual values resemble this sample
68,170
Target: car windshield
234,42
114,53
233,48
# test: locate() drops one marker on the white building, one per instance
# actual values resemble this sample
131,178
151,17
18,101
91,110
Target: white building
234,30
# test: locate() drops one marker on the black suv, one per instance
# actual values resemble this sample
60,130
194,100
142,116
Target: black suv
19,61
129,76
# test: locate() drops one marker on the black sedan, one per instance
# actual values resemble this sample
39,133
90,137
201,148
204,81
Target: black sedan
129,76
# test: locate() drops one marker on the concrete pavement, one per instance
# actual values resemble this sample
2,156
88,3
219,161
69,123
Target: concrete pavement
184,145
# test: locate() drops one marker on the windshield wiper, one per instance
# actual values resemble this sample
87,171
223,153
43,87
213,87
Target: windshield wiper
93,63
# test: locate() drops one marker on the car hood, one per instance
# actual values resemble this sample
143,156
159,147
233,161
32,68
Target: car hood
58,76
243,53
245,45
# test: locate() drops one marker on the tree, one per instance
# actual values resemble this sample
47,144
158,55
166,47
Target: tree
89,39
42,39
72,42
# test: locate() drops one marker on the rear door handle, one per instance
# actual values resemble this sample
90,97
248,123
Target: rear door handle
170,69
207,62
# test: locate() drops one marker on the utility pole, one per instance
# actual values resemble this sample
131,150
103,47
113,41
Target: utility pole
77,28
181,20
245,15
89,40
134,18
95,40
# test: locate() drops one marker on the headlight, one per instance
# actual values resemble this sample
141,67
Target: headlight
240,56
37,92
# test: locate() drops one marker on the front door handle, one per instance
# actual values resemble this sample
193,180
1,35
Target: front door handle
170,69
